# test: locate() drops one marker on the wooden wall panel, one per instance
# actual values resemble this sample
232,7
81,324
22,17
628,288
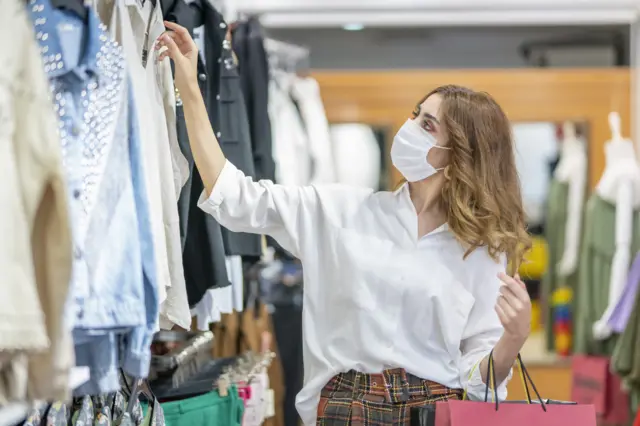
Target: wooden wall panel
386,98
552,381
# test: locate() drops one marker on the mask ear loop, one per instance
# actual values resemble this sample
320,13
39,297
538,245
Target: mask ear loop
447,173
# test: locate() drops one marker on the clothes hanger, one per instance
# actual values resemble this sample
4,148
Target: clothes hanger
614,125
569,131
75,6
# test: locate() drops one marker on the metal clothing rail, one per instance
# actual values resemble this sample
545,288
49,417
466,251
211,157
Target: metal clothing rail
287,56
277,47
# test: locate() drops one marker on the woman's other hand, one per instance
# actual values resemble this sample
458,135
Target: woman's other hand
514,308
181,48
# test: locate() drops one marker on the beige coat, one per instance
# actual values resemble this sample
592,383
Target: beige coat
35,252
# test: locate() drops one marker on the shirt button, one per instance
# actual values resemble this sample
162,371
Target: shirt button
76,193
220,60
217,97
75,131
223,25
77,253
202,77
218,135
81,314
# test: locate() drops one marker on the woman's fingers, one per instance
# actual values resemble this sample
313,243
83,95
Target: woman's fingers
161,41
510,297
178,29
172,48
516,286
504,319
509,311
181,35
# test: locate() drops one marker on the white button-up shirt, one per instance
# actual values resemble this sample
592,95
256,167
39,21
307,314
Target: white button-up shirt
375,296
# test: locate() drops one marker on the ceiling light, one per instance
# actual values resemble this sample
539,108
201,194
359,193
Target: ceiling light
353,27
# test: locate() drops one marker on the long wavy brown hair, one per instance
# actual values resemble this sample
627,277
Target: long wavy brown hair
481,194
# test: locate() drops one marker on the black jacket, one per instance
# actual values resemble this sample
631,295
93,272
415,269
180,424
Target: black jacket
248,44
202,243
227,111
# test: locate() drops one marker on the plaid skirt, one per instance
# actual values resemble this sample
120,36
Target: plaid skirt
386,399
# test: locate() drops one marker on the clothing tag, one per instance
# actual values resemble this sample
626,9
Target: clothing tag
269,404
223,386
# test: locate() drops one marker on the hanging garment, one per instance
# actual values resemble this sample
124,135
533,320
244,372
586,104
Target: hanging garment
625,361
203,247
166,169
306,92
35,258
290,143
113,286
248,45
592,288
254,398
555,227
227,110
356,140
102,410
624,308
204,252
209,409
219,301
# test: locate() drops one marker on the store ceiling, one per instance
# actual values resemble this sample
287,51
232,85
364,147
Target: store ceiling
435,13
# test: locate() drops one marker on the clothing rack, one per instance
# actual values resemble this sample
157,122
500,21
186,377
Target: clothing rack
246,368
286,56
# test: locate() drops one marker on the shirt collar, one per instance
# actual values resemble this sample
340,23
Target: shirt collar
403,187
402,194
46,19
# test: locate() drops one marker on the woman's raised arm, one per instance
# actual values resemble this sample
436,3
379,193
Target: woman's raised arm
207,153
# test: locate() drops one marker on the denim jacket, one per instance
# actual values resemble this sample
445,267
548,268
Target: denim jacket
113,304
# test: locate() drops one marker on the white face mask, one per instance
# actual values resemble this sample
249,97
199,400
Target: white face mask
409,151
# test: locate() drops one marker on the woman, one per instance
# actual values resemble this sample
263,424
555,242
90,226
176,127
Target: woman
405,292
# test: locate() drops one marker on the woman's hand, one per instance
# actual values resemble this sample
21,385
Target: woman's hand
514,308
181,48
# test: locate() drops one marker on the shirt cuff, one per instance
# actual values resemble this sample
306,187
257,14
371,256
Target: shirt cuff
476,386
226,187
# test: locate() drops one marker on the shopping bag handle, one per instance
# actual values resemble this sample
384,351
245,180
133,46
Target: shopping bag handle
526,378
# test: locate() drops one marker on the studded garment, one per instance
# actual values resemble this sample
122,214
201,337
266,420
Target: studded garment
113,305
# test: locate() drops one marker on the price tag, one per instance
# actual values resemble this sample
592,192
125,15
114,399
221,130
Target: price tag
269,403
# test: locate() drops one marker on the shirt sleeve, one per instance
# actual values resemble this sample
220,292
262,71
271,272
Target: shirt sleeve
283,212
483,329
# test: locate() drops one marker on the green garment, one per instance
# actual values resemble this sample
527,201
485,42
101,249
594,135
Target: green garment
209,409
594,274
626,356
555,229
